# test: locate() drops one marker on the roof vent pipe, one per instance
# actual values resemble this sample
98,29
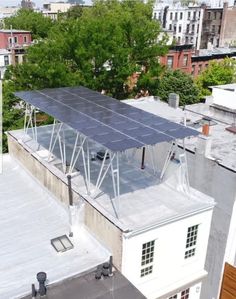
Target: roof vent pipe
41,277
33,292
173,100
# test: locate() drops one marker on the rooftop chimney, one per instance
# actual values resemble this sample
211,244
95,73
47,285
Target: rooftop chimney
173,100
203,146
205,129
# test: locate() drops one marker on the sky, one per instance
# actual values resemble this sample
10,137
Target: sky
39,3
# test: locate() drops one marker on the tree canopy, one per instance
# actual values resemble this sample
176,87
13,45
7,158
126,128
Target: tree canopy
27,19
217,73
100,49
178,82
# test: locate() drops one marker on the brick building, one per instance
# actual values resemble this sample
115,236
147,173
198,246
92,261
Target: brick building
201,59
14,38
211,26
179,57
218,27
12,47
228,32
193,62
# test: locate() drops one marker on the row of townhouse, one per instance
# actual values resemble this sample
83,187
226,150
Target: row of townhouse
190,61
199,25
12,47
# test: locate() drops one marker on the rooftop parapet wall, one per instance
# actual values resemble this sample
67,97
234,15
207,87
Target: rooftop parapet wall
104,230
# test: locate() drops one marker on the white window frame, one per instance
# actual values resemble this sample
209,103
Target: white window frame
191,241
147,258
184,294
168,59
6,59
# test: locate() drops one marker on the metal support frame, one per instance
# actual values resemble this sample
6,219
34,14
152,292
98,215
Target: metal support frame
184,177
30,120
167,160
150,149
58,130
74,156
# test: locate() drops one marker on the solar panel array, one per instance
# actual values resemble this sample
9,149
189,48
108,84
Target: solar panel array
114,124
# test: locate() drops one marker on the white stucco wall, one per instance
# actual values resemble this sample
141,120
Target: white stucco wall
213,179
224,98
171,271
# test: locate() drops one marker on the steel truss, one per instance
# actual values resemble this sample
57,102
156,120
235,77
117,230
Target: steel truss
82,148
30,120
184,177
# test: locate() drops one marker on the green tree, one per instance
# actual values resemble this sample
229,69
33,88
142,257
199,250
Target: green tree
109,42
12,117
217,73
178,82
100,50
75,12
27,19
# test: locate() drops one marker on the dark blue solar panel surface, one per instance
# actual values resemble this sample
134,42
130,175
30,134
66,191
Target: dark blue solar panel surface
115,125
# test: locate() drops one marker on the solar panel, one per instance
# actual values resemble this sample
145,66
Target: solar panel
114,124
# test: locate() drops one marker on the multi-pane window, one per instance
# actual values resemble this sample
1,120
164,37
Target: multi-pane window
147,270
181,16
25,38
171,15
189,15
147,258
185,60
16,59
170,60
176,16
180,28
148,253
185,294
182,295
6,60
191,241
10,40
187,28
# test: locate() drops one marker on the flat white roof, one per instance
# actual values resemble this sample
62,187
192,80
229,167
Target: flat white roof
29,218
223,146
144,201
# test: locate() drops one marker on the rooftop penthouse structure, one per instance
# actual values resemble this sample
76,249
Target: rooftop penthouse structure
118,163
